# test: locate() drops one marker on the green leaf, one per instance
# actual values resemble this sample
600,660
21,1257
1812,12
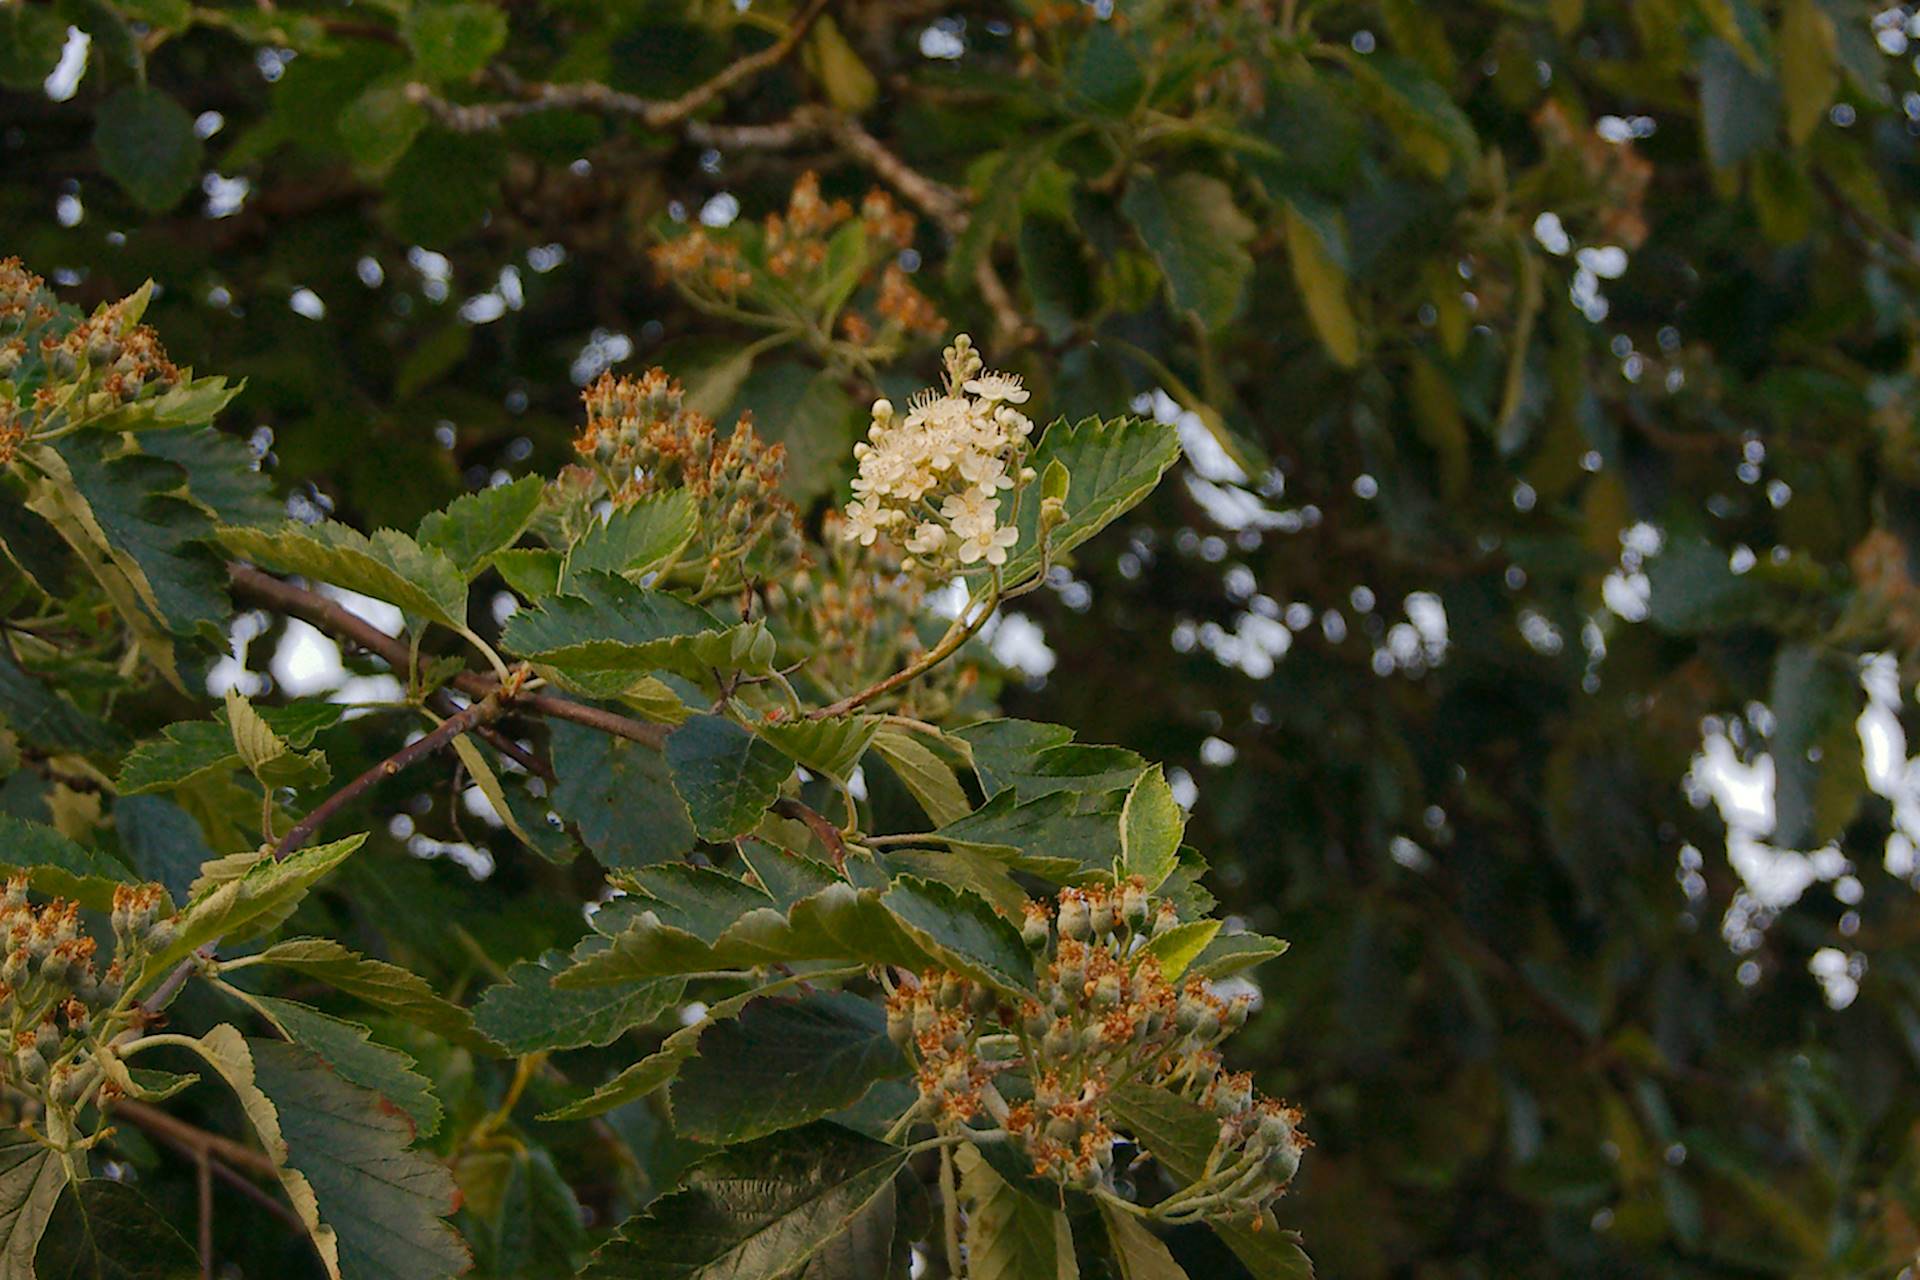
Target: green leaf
754,1212
45,717
243,904
1193,229
388,987
618,794
453,41
658,1068
1809,66
1739,110
223,476
31,1180
383,1203
152,534
526,1013
1136,1250
31,38
604,632
962,932
105,1230
1231,953
147,145
1693,589
57,866
725,774
475,526
193,749
810,413
1323,288
380,125
1815,697
930,779
1010,1235
1114,464
388,566
1063,835
1105,72
786,877
781,1064
635,539
1181,945
348,1048
828,747
837,923
532,571
1151,824
520,1214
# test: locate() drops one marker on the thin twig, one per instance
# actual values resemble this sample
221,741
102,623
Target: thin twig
481,712
204,1181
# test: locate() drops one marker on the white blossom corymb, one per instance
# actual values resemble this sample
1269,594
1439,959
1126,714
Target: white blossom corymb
933,479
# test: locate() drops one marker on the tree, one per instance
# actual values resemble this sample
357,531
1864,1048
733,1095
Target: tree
1545,377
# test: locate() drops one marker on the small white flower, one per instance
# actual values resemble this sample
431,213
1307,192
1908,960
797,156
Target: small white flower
864,521
991,544
971,513
997,388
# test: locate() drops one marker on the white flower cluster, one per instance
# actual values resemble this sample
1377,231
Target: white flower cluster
933,478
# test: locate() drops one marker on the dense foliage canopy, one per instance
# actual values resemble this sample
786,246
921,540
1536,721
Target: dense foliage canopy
1527,631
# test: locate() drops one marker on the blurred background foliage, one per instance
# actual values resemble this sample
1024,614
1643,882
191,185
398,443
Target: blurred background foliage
1531,628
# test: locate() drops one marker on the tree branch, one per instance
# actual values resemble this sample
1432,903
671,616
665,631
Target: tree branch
221,1155
588,95
342,624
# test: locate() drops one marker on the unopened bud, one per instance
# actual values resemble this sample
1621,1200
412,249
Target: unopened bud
1034,929
30,1065
1076,920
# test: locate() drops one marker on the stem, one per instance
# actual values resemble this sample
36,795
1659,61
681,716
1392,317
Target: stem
950,1210
957,635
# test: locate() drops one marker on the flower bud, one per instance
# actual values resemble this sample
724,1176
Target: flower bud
1034,1020
29,1064
899,1026
1076,920
1034,928
67,1085
1059,1041
46,1036
162,933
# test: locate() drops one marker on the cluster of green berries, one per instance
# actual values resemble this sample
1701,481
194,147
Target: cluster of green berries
642,438
1104,1016
57,1004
